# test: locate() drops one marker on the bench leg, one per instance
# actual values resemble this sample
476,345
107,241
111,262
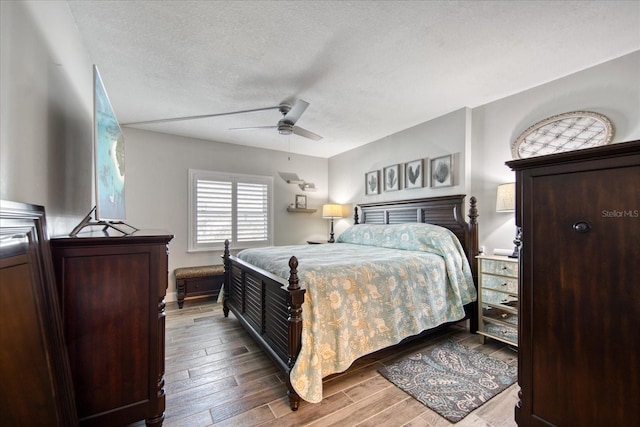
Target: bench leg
181,293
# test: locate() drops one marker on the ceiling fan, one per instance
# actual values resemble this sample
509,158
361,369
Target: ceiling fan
285,126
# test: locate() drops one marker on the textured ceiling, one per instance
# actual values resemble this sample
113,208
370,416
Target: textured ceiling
367,68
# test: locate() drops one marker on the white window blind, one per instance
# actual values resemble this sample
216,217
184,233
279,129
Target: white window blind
252,212
229,206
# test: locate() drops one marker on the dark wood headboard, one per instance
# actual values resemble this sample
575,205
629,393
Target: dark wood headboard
445,211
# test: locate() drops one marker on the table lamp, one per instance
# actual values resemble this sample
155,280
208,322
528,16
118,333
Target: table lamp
506,202
331,211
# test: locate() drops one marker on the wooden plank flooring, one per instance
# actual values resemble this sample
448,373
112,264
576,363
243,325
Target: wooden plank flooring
217,375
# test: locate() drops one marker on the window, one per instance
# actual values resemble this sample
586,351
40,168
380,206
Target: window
229,206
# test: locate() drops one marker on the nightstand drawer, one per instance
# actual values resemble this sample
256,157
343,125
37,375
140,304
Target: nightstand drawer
504,332
503,268
502,314
505,284
495,297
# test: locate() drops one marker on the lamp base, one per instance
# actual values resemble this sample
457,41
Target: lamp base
517,242
331,239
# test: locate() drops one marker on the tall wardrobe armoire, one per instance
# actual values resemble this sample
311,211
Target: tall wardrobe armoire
579,330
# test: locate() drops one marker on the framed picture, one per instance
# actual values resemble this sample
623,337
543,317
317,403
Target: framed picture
392,178
413,174
301,201
442,171
372,183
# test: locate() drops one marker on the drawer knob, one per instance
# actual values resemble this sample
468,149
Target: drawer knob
581,226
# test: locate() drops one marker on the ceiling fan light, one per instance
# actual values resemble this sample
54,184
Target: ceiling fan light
285,128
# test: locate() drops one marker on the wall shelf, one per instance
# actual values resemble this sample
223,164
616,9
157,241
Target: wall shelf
301,210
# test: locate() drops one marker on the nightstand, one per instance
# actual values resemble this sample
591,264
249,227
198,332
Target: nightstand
498,298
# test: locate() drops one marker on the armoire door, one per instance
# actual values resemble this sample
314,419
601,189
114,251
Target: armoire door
580,292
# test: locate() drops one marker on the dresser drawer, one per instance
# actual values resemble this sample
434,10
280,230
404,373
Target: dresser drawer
500,283
503,268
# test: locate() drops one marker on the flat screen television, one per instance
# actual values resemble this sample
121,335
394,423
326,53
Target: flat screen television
108,147
108,165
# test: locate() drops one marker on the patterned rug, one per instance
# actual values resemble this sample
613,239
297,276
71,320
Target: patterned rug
451,379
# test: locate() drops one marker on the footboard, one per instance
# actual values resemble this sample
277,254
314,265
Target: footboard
269,308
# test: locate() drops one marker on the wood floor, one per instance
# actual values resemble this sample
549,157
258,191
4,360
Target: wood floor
217,375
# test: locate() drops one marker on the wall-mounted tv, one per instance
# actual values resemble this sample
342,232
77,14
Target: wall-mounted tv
108,154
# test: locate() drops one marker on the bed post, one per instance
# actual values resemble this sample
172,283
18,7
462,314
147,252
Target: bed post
227,278
355,215
296,298
473,261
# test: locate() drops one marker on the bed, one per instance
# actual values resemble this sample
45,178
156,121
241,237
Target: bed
373,292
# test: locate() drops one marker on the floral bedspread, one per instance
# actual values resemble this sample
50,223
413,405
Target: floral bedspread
375,287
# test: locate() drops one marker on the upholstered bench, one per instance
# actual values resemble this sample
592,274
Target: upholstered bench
205,280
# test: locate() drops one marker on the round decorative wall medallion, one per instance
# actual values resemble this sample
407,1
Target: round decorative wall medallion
564,132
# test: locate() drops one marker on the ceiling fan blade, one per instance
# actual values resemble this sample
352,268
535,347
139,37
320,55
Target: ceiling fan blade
254,127
296,111
203,116
306,133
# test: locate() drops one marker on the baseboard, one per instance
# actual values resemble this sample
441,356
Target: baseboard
171,297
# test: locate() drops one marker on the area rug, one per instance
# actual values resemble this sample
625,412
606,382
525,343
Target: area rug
451,379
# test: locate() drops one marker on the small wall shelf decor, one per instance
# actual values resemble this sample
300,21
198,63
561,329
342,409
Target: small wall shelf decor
301,201
296,210
292,178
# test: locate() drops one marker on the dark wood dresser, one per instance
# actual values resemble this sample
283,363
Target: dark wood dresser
579,288
112,293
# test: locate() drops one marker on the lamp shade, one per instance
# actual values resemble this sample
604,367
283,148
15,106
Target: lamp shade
506,199
332,211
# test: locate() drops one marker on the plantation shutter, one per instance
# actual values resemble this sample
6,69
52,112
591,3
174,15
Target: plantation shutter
214,211
230,207
252,212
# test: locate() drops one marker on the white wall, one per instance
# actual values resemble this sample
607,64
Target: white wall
45,115
437,137
483,137
158,166
612,89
